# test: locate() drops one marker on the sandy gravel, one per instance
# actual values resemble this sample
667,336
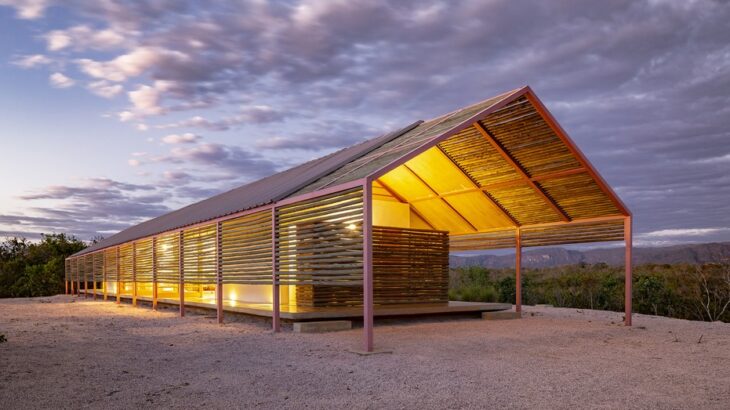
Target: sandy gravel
68,353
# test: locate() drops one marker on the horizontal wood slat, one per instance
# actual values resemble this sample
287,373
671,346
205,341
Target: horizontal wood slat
167,253
143,260
98,266
199,255
110,264
410,266
573,233
319,241
246,249
126,263
485,240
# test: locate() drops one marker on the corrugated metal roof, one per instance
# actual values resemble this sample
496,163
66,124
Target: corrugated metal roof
255,194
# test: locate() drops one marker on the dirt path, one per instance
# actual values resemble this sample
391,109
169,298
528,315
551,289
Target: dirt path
67,353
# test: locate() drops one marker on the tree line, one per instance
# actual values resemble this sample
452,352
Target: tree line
684,291
35,268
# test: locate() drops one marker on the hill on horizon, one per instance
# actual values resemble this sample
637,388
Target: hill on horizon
552,257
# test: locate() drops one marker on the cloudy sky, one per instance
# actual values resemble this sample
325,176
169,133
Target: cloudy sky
117,111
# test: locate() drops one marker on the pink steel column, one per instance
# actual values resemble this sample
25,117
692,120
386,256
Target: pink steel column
119,280
367,277
181,271
518,272
218,274
276,303
154,273
93,275
103,276
628,239
134,273
86,282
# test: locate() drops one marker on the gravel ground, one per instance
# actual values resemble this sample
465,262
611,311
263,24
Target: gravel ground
64,352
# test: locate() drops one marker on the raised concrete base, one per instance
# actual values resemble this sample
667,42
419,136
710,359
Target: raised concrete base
501,315
321,327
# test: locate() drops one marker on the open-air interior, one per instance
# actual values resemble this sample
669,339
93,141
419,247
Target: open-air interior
367,231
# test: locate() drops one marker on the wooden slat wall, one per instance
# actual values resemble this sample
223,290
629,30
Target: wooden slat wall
573,233
98,266
75,269
410,266
319,241
126,265
67,270
486,240
110,264
199,257
167,254
88,267
143,260
246,249
80,268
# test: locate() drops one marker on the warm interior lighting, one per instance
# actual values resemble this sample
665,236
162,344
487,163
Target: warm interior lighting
351,227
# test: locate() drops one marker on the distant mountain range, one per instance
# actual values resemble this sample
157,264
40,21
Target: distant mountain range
549,257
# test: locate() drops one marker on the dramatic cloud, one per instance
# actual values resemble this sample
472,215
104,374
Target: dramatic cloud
101,206
260,114
83,37
27,9
237,162
331,135
104,89
186,138
59,80
640,85
31,61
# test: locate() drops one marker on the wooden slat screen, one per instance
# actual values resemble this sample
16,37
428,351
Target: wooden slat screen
80,269
319,241
143,260
485,240
126,263
110,264
98,266
167,254
246,249
88,267
573,233
75,269
67,270
410,266
199,257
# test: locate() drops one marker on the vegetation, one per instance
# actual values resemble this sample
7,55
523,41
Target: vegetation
35,269
681,291
697,292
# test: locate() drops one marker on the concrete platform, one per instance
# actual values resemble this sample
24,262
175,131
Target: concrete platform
503,315
299,313
323,326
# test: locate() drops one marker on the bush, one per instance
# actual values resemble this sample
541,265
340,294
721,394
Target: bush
681,291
